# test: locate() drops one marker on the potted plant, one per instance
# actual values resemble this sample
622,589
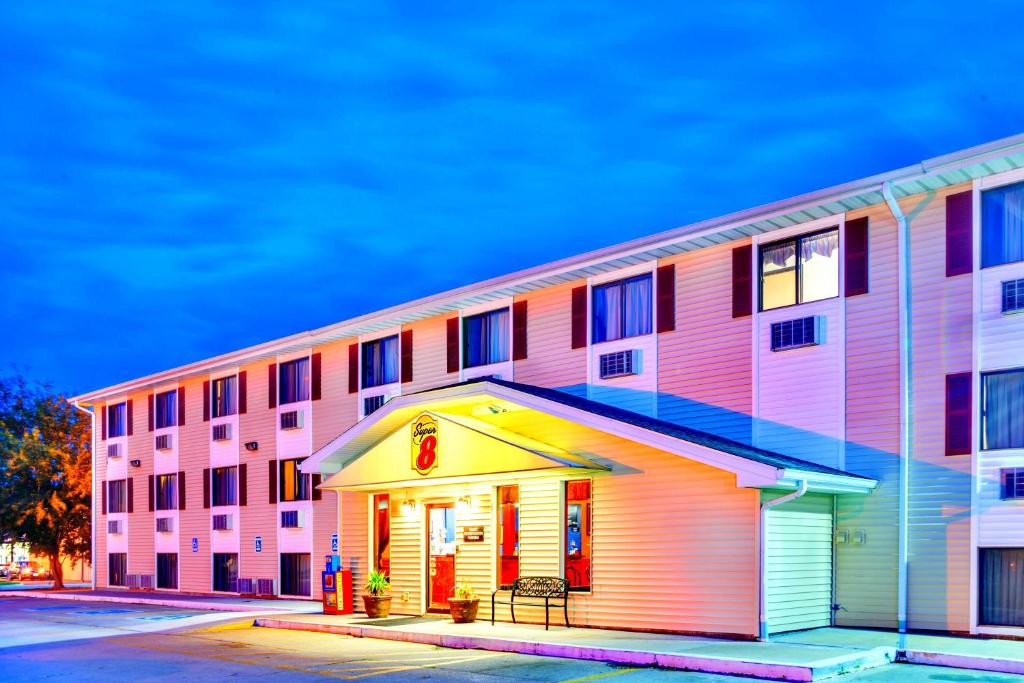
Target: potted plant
465,603
377,600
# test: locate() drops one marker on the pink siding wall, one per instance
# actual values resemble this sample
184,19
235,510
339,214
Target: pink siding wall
141,527
429,357
259,517
99,532
551,360
336,411
194,573
704,377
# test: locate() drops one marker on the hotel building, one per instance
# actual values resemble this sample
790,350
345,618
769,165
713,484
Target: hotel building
805,414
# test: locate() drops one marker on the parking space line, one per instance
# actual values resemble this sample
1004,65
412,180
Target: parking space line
594,677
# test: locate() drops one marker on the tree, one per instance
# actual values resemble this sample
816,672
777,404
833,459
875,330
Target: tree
45,473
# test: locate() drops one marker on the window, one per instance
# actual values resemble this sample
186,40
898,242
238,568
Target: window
1002,409
167,570
117,497
800,270
622,309
1002,575
166,409
577,534
295,574
294,484
224,396
1012,484
117,420
166,491
117,566
372,404
225,572
294,381
1002,225
508,535
380,362
382,533
224,486
485,338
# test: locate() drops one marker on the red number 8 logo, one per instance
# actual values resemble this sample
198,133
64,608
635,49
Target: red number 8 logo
428,453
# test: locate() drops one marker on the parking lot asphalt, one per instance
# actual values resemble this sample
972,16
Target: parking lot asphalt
53,640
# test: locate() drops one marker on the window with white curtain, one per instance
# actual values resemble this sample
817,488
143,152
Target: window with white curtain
167,409
800,270
225,396
380,362
1002,225
485,338
1001,601
1002,409
622,309
294,379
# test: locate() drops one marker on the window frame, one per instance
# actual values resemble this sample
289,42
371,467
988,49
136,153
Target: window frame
174,566
164,417
983,406
122,498
365,346
619,282
980,227
232,489
565,534
232,399
172,492
122,569
507,310
303,388
796,240
304,481
121,410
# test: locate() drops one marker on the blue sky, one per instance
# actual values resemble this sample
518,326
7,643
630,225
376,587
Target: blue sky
183,181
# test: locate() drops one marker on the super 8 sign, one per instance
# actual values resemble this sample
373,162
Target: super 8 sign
424,444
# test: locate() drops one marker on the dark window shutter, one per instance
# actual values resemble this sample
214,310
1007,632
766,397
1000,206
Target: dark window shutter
243,392
206,487
151,492
406,356
453,344
151,399
131,418
315,480
519,337
103,412
243,484
103,496
353,368
272,385
666,298
579,317
856,264
316,387
742,303
958,413
959,245
272,479
181,406
206,400
181,490
131,494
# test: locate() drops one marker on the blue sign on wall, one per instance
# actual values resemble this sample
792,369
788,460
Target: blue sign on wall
195,544
334,543
259,544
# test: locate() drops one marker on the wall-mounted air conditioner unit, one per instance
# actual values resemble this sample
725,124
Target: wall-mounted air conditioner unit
291,419
222,432
163,442
620,363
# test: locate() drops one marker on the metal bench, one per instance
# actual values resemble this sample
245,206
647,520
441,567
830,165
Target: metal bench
547,587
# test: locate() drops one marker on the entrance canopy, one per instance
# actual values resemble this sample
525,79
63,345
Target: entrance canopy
485,427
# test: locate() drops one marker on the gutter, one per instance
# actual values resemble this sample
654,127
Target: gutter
906,408
92,487
763,548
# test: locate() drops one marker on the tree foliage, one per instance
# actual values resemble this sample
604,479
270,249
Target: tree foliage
45,472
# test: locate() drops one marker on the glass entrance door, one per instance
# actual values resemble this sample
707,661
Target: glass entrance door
440,555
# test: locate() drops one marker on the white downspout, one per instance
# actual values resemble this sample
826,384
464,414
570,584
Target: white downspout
763,548
906,409
92,486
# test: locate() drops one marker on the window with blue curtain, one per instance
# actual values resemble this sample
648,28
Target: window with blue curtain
1002,225
380,362
166,409
225,394
117,420
1002,410
294,381
622,309
485,338
224,486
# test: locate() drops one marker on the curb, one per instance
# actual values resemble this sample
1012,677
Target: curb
1004,666
685,662
181,604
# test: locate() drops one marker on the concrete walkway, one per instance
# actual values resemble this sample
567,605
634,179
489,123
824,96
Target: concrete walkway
774,661
218,603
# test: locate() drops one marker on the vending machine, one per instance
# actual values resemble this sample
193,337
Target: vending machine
337,587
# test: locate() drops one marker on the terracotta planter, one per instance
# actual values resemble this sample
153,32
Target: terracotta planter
463,611
377,606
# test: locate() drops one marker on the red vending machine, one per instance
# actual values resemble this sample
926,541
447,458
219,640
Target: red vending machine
337,587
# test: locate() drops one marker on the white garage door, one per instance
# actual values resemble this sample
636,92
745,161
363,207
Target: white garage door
799,563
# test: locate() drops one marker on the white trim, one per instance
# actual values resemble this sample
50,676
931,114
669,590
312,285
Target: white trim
974,577
843,322
997,180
